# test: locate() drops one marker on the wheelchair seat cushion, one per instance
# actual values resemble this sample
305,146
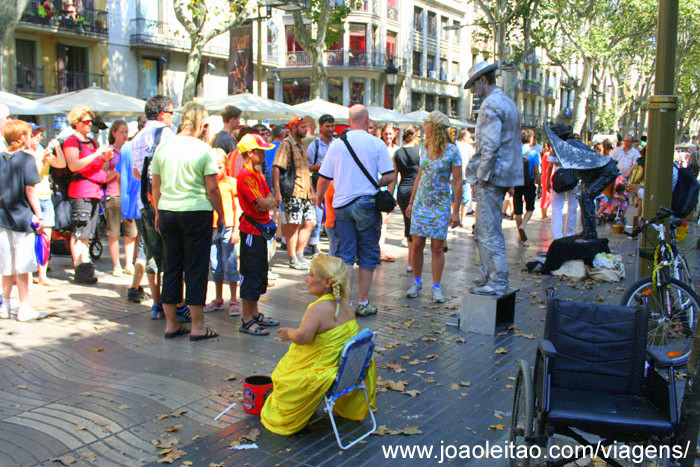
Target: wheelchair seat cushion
601,412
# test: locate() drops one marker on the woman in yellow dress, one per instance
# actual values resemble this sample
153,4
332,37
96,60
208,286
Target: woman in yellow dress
308,369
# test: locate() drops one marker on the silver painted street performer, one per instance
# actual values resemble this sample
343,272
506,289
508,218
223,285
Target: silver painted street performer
495,167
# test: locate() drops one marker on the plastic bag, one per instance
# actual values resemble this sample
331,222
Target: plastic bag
574,270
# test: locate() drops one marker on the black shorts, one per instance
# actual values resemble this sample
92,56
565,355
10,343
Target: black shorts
83,219
529,192
253,266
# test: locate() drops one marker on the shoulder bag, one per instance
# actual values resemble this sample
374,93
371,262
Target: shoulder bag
564,180
384,201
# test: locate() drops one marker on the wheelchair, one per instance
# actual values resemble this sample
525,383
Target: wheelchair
594,375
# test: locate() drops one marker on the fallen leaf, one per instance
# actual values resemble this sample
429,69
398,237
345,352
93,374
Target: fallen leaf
259,363
98,349
97,327
172,429
461,340
466,384
600,298
405,357
454,387
195,437
412,392
429,339
216,465
431,357
231,378
162,416
79,427
411,430
165,460
155,442
165,452
177,413
65,460
501,350
429,380
251,434
176,454
509,386
464,394
89,456
396,385
186,462
511,378
22,386
496,427
415,361
124,406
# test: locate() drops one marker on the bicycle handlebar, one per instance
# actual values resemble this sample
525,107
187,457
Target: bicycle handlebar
661,214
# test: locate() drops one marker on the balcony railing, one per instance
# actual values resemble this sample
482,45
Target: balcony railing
83,20
529,120
392,13
29,79
161,34
549,91
337,58
297,59
530,87
67,81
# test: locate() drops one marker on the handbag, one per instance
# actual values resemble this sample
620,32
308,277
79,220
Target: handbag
288,178
564,180
384,201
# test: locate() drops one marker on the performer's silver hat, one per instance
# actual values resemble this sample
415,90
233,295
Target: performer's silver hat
574,154
479,70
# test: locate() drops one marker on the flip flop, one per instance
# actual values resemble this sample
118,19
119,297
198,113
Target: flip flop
208,335
258,331
387,258
181,331
270,322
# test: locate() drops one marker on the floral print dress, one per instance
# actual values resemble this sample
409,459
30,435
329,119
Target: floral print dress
430,217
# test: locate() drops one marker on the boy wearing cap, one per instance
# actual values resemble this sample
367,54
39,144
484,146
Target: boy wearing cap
256,201
299,216
315,154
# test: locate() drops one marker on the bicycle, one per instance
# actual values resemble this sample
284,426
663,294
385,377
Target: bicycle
669,292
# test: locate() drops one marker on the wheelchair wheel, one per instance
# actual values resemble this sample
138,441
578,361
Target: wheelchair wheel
521,425
95,249
673,314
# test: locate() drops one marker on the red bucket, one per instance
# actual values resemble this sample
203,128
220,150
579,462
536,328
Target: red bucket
255,390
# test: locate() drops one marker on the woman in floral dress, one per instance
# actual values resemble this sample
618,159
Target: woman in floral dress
431,209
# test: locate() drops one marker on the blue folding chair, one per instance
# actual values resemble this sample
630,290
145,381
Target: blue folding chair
354,362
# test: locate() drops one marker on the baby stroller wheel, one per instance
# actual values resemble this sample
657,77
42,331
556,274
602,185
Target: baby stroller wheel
95,249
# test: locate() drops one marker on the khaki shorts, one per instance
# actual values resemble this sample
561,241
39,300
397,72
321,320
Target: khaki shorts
17,252
115,221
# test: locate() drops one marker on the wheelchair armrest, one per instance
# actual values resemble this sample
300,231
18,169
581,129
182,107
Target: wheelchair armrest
663,361
547,348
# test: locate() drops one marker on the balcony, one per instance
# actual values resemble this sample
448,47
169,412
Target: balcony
529,120
549,92
29,80
67,81
336,58
298,59
80,21
530,87
162,35
392,14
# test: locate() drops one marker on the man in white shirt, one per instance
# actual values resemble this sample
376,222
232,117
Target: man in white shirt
626,156
466,149
4,118
315,153
357,220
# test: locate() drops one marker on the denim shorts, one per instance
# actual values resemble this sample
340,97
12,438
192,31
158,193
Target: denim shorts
47,212
358,227
223,260
332,241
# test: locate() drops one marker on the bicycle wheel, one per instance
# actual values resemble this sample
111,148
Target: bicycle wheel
523,416
673,313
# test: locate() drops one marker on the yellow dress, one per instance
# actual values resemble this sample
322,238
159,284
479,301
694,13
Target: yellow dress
306,373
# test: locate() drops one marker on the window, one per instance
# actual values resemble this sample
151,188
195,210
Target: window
431,63
430,102
335,90
358,37
443,105
443,23
150,77
272,35
432,25
527,73
29,77
454,105
271,89
296,90
455,71
72,69
416,101
357,90
455,33
292,44
443,69
539,109
392,10
390,44
417,59
418,19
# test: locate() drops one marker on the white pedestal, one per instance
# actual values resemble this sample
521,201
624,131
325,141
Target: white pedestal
485,313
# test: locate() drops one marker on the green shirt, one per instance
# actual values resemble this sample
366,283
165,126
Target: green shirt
182,162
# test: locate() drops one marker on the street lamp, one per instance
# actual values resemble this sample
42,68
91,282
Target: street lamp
392,76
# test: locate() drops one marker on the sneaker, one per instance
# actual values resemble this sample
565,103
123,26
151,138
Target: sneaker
404,243
117,272
214,305
5,309
294,263
135,295
157,311
409,269
95,272
311,251
183,314
304,261
365,310
85,274
490,289
479,280
272,275
129,270
27,313
414,290
438,297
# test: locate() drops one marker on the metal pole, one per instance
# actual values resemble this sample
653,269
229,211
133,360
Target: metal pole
662,122
259,67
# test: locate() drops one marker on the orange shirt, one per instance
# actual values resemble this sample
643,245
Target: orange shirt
330,212
227,188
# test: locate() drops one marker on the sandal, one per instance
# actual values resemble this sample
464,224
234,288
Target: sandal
234,309
208,335
267,322
257,331
214,305
387,257
181,331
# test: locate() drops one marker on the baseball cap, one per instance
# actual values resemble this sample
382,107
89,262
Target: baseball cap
296,121
35,127
252,141
326,118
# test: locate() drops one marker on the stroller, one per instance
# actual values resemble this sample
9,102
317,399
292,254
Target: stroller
614,209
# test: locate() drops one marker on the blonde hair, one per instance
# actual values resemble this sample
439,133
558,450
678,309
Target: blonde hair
439,138
328,267
220,155
192,114
77,114
13,132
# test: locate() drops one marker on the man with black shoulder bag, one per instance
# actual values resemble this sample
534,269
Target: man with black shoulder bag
315,153
352,163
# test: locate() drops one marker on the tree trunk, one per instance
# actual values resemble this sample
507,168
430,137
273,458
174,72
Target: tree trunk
583,90
10,13
690,407
318,73
194,61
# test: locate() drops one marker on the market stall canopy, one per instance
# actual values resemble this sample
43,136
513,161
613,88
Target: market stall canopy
252,107
317,107
22,106
380,115
105,103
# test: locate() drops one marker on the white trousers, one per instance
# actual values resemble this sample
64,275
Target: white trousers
558,200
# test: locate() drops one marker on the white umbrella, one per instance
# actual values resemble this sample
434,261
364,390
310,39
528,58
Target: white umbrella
382,115
317,107
460,124
106,103
423,114
253,107
21,106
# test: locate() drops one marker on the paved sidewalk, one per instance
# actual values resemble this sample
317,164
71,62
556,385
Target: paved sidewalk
97,383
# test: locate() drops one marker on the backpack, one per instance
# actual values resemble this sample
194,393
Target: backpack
61,178
527,178
685,195
146,177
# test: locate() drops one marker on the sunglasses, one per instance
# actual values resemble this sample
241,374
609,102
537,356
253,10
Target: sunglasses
86,121
171,112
